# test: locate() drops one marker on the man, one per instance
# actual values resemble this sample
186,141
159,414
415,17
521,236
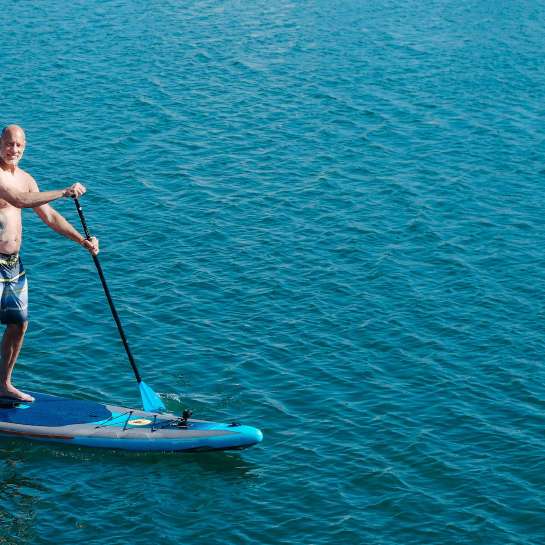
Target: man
19,190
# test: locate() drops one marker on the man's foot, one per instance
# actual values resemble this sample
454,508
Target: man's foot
12,394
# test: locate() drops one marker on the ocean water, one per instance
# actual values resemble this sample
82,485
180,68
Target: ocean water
324,219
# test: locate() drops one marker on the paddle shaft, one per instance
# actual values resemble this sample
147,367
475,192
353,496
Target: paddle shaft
108,295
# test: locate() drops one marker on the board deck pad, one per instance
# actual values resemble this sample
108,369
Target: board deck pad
94,424
49,410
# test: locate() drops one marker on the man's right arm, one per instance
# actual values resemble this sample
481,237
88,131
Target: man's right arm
22,199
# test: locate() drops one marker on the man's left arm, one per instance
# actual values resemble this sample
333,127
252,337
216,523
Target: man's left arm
58,223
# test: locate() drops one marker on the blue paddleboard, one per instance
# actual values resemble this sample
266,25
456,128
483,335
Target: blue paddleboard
92,424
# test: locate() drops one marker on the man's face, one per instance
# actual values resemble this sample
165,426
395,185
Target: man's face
12,146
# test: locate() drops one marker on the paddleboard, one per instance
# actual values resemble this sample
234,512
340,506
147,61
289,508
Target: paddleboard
92,424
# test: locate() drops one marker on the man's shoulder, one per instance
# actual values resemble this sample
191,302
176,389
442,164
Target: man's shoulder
23,173
21,178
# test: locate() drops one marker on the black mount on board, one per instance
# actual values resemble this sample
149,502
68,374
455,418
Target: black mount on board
186,415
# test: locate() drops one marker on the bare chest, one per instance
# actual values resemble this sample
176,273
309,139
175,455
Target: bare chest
17,182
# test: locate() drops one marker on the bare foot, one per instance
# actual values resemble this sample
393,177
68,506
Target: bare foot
12,393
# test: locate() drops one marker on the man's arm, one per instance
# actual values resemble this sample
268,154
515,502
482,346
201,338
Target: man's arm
24,199
58,223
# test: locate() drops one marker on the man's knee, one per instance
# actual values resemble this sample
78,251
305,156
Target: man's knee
18,329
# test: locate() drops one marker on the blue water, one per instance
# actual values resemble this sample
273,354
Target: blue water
321,218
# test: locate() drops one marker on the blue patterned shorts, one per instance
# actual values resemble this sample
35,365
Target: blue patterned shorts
14,290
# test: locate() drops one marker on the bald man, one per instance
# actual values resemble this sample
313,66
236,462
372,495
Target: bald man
19,190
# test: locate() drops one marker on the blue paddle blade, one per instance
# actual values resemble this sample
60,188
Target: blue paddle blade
150,399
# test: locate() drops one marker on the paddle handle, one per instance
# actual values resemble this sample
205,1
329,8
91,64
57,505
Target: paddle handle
108,295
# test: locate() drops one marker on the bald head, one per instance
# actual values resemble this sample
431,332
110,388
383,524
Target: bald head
12,145
13,130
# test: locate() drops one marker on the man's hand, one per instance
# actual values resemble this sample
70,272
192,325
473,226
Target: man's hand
74,191
91,245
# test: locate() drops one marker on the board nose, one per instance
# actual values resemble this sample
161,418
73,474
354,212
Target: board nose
254,435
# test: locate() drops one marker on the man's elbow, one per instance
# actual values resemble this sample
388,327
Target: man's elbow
23,200
15,200
20,202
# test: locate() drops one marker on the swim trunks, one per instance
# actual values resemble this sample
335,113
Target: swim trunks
13,289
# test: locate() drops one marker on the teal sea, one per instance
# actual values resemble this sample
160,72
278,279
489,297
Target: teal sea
325,219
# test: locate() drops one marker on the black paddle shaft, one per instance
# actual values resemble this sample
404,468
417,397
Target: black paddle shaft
108,295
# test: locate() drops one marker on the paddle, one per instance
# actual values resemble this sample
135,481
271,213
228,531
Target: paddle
150,399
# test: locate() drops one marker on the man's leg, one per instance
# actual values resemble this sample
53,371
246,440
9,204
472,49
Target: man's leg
12,342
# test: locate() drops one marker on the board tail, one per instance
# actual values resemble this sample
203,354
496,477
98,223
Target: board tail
150,399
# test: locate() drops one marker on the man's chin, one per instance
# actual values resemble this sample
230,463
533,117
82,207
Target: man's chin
13,162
